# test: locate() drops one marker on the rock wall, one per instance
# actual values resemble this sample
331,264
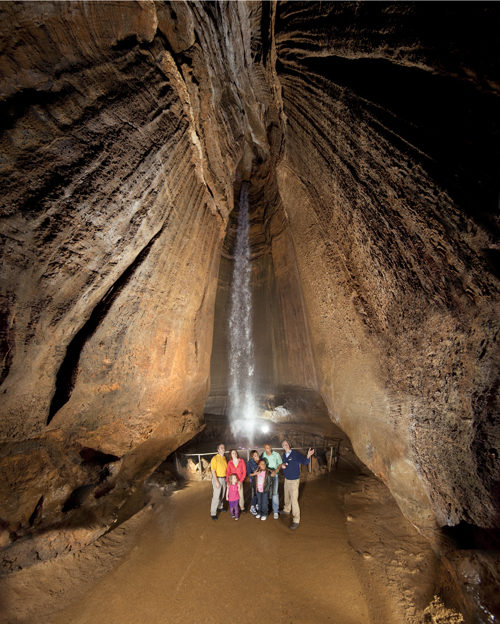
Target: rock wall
390,187
369,134
124,127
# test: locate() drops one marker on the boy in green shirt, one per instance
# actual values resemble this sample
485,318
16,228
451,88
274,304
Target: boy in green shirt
273,461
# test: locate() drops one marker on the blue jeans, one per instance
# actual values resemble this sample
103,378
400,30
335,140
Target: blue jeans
274,494
263,502
253,488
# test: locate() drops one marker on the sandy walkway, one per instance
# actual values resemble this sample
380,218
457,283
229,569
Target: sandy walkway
187,568
353,560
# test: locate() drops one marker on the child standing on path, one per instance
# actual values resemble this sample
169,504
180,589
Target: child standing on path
263,482
233,496
252,465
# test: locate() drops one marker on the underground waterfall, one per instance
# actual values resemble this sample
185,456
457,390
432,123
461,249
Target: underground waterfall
242,403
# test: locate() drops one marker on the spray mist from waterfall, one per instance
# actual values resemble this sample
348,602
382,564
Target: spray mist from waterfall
242,403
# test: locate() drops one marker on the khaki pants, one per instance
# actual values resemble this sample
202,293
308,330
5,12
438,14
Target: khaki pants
242,499
292,499
218,495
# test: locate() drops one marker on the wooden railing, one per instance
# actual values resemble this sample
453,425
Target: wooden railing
333,444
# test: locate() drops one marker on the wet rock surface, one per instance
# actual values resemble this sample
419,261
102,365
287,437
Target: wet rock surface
368,133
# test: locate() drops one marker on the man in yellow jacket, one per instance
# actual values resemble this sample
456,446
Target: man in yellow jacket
218,466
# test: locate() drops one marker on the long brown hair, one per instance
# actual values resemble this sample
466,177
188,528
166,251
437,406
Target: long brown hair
231,454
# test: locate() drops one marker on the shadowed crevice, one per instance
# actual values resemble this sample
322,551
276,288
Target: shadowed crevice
93,457
77,497
36,512
465,536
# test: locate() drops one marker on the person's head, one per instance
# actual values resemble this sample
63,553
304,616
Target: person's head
233,454
267,448
255,455
262,465
286,446
221,449
233,479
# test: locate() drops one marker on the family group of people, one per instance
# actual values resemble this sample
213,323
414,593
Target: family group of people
262,471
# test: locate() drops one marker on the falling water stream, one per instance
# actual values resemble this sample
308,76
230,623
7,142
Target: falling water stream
242,403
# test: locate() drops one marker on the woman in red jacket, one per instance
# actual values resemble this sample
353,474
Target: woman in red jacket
237,466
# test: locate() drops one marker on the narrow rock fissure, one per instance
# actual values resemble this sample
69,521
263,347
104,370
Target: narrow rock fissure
77,497
93,457
36,512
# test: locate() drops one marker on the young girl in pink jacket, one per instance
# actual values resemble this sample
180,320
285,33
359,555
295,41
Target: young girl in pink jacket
233,496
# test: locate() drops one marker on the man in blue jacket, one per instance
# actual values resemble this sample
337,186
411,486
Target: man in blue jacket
292,460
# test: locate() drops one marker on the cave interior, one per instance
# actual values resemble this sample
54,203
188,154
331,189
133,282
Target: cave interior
368,136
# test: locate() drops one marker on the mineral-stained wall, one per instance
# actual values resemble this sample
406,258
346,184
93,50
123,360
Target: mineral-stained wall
390,182
369,134
125,124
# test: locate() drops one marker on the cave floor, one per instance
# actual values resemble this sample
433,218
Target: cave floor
353,560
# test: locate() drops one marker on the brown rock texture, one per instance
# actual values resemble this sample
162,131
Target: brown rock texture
390,188
368,134
124,126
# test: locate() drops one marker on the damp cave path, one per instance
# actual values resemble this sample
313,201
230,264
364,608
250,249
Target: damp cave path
187,568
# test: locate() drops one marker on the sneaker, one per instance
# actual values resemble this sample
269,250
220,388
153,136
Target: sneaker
285,513
276,515
264,518
214,517
294,525
257,516
236,517
253,511
222,509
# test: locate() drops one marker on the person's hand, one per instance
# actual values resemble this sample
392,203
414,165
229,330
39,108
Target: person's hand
310,452
217,483
273,472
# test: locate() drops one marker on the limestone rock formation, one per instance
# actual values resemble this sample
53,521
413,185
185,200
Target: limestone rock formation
368,134
124,127
391,188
